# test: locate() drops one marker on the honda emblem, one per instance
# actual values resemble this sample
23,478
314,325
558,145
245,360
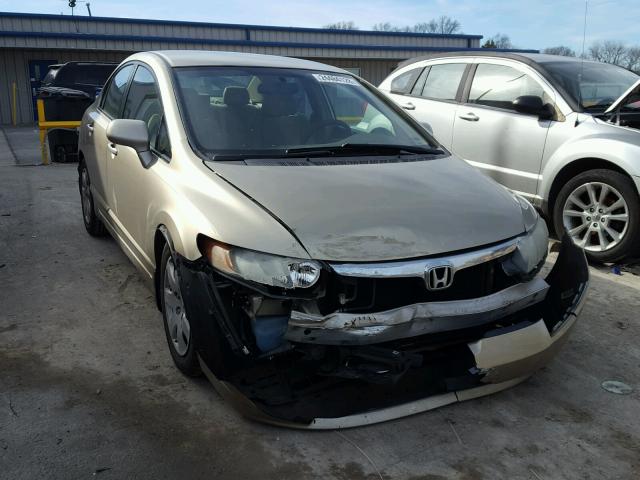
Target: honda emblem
438,277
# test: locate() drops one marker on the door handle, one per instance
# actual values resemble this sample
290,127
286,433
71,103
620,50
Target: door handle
113,149
408,106
90,128
470,117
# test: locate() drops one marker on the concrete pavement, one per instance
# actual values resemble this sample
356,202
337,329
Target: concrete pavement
88,389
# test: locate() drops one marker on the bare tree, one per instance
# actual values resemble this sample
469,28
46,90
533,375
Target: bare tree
608,51
560,50
442,25
499,40
388,27
632,59
349,25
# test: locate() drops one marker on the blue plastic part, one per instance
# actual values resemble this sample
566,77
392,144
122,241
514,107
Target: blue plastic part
269,331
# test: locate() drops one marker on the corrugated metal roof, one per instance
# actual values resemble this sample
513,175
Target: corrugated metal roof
233,26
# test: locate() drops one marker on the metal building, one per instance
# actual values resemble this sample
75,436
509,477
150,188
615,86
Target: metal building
31,42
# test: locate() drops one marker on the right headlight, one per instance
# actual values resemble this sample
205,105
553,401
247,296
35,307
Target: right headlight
532,248
259,267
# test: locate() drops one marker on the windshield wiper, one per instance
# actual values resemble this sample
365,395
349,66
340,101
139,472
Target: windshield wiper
362,148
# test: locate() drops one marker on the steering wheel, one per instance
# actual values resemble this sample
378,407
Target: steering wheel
329,131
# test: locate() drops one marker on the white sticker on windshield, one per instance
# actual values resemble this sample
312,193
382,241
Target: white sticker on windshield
325,77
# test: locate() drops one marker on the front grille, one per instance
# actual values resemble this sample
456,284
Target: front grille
366,295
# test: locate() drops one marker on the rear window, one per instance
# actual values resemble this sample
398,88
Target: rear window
403,82
443,81
90,75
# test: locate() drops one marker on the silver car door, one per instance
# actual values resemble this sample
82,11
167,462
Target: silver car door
491,135
434,98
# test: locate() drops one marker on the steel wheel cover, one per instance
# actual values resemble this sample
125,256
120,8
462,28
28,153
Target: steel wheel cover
175,315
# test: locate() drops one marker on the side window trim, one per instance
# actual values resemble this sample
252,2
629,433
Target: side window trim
163,156
103,95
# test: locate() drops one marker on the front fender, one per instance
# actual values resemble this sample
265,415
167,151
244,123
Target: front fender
193,201
613,148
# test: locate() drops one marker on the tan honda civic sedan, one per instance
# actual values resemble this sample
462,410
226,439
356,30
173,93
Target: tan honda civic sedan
314,251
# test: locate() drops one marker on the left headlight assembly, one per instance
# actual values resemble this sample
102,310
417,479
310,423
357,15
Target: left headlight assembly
264,268
532,247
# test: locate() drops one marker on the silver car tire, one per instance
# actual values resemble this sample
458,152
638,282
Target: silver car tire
600,210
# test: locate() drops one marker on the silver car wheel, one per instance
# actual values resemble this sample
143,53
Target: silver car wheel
596,216
85,193
175,315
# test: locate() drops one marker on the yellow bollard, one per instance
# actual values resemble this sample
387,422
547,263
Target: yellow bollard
43,132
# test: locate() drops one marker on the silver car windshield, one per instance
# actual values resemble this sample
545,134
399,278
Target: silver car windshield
594,86
251,111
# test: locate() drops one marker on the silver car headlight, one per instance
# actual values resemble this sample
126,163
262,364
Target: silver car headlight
260,267
531,248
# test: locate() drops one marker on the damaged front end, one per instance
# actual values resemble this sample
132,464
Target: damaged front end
369,343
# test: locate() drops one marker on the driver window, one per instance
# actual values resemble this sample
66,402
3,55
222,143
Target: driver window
499,85
143,103
115,92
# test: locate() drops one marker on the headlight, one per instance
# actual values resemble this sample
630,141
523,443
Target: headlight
532,248
260,267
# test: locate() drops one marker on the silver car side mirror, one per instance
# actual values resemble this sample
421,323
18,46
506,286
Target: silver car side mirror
134,134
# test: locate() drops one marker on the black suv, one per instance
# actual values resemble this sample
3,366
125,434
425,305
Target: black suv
67,90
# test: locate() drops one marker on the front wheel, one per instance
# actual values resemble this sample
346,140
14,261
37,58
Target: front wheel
92,223
176,323
600,210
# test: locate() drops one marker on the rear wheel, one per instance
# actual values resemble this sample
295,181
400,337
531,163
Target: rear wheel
91,221
600,210
176,323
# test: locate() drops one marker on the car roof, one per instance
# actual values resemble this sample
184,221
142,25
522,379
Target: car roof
527,58
193,58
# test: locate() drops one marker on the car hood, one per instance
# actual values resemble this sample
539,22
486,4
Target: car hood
632,90
380,211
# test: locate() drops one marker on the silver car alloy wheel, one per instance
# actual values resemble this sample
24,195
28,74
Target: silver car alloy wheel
596,216
85,193
176,317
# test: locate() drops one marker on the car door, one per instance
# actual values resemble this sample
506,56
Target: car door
131,185
430,94
95,133
435,96
491,135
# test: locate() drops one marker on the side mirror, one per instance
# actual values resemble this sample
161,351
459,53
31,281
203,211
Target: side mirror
134,134
532,105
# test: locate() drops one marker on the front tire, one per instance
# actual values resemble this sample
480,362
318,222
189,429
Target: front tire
92,223
600,210
176,323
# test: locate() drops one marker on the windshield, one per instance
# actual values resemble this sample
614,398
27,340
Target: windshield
593,85
252,110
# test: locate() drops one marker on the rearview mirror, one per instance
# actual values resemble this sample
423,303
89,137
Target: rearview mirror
134,134
532,105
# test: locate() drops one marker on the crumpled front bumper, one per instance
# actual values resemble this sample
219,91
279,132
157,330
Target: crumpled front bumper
541,314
